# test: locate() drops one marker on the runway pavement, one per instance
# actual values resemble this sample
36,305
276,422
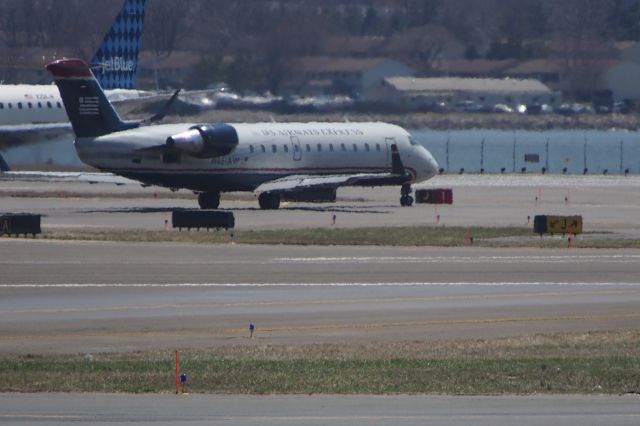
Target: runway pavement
78,297
57,409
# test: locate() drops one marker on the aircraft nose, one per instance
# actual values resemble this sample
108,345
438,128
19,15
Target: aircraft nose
430,164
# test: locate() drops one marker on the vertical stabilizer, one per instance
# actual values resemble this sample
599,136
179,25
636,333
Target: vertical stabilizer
4,167
89,111
116,61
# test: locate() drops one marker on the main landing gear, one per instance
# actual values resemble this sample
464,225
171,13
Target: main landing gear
269,201
406,200
209,200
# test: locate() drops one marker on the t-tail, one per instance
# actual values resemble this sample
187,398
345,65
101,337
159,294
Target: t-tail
116,60
90,112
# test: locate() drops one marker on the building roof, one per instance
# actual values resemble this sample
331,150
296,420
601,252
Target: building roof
453,84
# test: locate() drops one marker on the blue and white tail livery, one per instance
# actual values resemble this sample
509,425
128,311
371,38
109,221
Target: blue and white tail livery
116,60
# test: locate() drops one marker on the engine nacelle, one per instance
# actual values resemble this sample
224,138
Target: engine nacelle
206,140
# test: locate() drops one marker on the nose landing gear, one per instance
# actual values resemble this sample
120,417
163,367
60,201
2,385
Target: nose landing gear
406,200
209,200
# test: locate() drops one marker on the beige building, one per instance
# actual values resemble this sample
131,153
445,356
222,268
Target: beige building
417,93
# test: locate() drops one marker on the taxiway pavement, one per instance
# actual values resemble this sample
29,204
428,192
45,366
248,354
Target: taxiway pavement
58,409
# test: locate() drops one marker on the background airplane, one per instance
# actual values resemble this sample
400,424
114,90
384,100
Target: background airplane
33,113
305,161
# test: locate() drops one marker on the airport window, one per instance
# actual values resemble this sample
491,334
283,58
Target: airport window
308,148
274,148
366,147
251,149
286,148
344,148
48,104
319,148
331,147
263,148
19,105
355,148
378,147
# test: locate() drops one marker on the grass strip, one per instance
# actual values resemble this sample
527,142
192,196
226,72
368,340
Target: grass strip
375,236
598,363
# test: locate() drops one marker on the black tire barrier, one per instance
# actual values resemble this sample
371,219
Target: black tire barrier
206,219
20,224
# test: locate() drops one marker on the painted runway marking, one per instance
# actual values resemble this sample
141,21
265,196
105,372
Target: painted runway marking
332,284
561,258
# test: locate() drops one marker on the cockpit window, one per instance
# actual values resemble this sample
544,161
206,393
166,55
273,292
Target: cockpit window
412,141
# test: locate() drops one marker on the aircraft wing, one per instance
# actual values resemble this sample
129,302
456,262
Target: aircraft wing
14,135
296,183
68,177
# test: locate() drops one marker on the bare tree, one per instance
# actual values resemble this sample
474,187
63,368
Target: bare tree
581,43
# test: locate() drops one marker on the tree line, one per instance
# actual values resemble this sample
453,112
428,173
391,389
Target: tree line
236,38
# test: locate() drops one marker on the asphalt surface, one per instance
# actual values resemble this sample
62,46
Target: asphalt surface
79,297
607,204
58,409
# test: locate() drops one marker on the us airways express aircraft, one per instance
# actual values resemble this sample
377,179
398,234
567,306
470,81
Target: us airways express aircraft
30,113
295,161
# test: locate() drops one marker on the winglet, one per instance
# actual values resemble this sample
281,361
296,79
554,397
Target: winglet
397,168
4,166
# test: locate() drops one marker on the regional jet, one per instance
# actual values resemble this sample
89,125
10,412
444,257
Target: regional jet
294,161
32,113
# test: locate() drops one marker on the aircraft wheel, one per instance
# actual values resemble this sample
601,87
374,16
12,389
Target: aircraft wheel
268,201
406,201
209,200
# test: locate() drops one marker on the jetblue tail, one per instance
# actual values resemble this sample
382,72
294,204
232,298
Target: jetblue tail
116,60
90,112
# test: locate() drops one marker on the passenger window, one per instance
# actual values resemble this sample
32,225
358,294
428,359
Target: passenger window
58,104
331,147
355,148
366,147
10,105
30,105
274,148
286,148
308,148
319,148
39,104
1,105
48,104
263,148
19,105
251,149
344,148
296,148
